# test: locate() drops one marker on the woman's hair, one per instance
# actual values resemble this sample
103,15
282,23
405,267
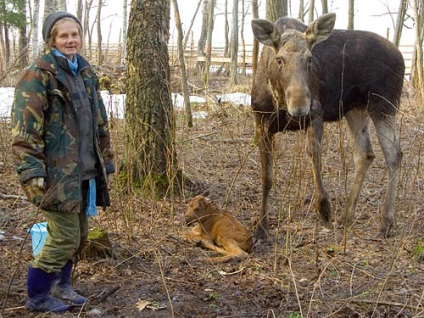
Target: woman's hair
54,31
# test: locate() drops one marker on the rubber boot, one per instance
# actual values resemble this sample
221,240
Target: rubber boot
39,285
62,288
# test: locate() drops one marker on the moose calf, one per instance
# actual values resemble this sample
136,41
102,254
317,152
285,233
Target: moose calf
217,230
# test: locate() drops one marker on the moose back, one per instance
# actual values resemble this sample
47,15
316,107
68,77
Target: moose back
308,75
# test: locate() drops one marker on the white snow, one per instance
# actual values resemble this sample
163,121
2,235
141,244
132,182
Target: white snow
115,103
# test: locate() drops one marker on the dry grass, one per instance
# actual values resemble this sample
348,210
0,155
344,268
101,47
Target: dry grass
306,271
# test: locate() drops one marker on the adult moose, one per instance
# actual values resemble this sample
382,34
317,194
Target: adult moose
308,75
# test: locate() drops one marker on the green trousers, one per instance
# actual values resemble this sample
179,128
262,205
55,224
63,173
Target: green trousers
66,237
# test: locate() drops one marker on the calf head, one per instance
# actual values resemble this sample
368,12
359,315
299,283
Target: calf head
197,209
291,66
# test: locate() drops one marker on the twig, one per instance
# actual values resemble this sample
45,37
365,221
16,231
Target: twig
387,303
106,293
12,196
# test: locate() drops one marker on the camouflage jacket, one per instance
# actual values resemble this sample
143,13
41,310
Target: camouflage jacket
45,135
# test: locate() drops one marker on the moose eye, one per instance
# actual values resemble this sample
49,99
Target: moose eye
279,60
310,61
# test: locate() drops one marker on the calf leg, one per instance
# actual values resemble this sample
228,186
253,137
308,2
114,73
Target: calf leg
314,139
389,142
230,249
363,156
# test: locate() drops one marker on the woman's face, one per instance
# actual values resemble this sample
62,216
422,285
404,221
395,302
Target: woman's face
67,39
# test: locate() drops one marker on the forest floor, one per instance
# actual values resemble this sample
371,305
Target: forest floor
304,271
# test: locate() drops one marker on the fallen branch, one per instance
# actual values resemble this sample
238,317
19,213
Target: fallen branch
12,196
381,302
105,294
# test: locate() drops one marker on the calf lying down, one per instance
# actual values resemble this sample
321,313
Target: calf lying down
217,230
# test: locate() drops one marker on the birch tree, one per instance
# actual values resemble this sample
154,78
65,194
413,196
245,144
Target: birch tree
124,31
351,15
403,4
234,44
99,33
180,48
35,28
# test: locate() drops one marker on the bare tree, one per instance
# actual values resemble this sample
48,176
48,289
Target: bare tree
151,157
189,117
203,34
276,9
301,10
311,10
324,6
417,59
208,49
99,33
23,36
351,15
234,44
255,50
403,4
61,5
87,33
79,9
50,6
34,28
124,31
186,38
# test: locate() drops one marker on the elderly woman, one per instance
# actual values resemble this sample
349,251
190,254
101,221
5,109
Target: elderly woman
63,157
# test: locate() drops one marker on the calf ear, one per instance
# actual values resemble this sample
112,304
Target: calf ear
266,32
320,29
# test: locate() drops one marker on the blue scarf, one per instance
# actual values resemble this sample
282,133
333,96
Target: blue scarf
73,65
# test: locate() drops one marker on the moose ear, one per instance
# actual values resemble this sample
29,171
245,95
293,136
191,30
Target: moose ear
320,29
266,32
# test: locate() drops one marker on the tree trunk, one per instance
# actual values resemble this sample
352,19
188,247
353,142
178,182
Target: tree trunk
184,85
234,44
49,7
35,29
417,71
276,9
99,34
79,10
151,157
124,32
187,36
23,38
324,6
351,17
311,10
208,50
203,34
87,33
399,22
243,43
302,11
255,50
61,5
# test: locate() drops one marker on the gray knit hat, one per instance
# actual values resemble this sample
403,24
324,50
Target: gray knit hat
52,18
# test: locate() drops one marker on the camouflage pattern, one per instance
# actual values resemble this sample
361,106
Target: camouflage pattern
45,135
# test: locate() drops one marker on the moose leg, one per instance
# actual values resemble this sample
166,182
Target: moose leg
389,142
363,156
314,139
265,143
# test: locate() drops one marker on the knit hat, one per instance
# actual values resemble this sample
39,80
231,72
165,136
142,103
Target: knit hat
52,18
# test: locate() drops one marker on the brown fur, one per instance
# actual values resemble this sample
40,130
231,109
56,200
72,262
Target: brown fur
217,230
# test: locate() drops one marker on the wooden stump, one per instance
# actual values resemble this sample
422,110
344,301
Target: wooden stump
98,245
